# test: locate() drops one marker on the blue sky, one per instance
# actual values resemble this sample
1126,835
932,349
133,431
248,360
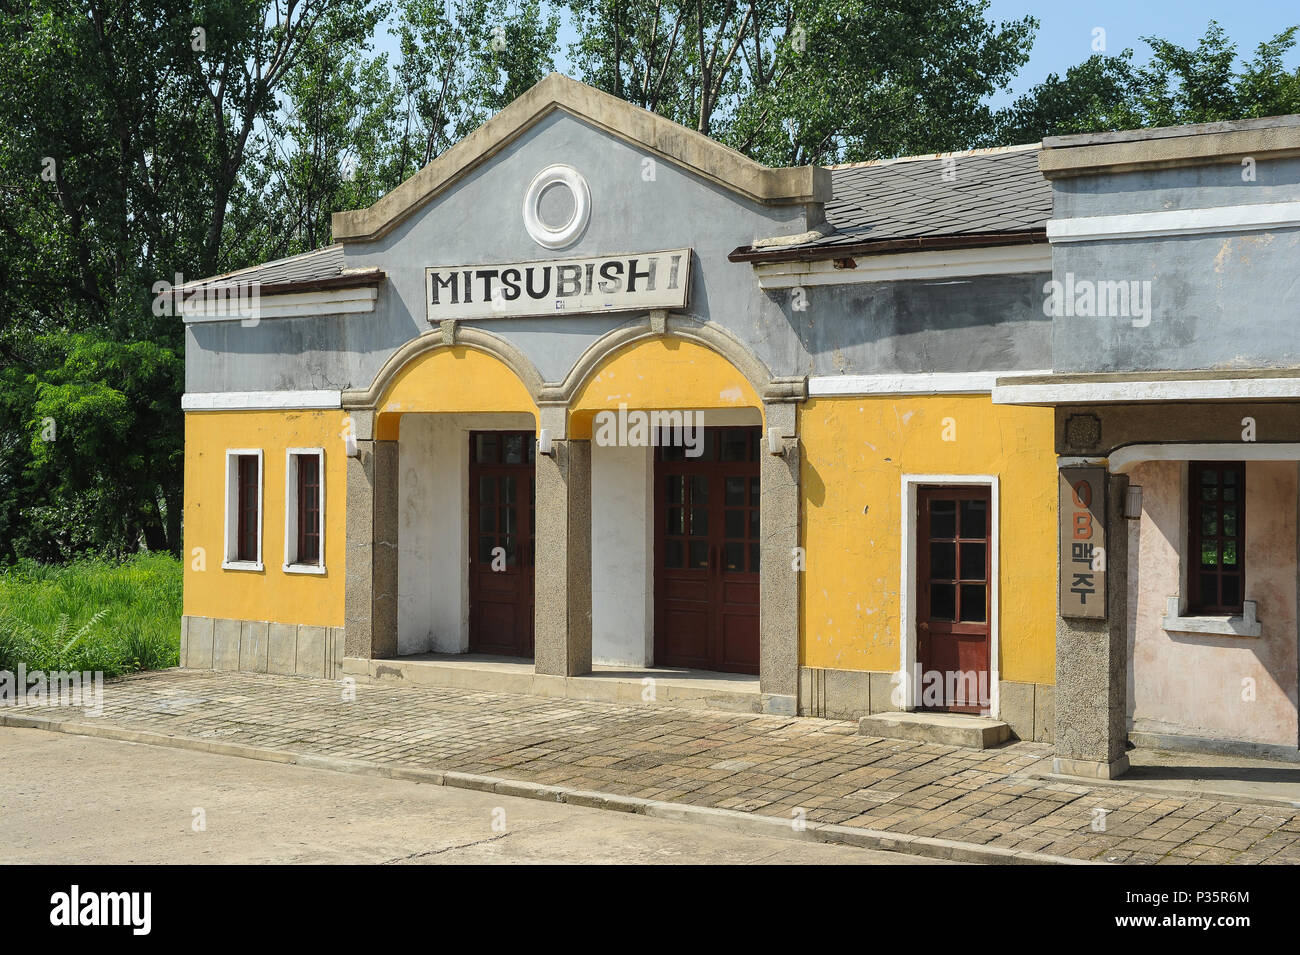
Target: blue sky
1065,29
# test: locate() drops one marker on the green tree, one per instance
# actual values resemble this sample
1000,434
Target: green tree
1178,85
802,81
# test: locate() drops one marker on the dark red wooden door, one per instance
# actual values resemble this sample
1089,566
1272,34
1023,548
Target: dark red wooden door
501,511
707,553
952,629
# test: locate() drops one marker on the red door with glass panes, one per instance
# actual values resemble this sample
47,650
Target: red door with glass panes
501,511
707,553
953,599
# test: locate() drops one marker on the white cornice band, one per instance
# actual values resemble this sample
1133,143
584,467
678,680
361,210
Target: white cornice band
918,383
1141,225
261,400
1104,392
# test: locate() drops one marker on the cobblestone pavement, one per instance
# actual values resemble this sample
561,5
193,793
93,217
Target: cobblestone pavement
768,765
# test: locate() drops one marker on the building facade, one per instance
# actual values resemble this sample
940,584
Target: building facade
592,390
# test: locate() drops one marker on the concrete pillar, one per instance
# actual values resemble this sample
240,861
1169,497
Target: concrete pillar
1092,664
778,607
562,571
370,592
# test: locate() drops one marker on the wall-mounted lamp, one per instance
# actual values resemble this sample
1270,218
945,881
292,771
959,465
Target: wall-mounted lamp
1133,502
774,443
350,445
544,445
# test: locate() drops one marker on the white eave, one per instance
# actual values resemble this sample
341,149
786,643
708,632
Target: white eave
905,266
1008,391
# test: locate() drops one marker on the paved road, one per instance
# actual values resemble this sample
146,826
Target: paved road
70,799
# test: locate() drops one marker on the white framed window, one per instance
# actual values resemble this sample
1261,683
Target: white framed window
304,511
244,502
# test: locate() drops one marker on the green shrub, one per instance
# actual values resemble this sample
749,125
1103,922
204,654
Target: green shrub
91,615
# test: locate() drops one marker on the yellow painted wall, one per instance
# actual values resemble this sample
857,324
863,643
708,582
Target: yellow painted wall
451,379
660,374
855,453
271,594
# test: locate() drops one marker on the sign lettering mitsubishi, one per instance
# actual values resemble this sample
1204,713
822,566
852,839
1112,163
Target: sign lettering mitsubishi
607,283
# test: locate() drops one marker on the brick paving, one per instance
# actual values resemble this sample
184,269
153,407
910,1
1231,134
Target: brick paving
768,765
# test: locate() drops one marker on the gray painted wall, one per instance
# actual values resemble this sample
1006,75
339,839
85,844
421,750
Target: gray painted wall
1218,300
993,323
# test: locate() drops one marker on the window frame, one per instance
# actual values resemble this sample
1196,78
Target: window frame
292,507
231,558
1196,604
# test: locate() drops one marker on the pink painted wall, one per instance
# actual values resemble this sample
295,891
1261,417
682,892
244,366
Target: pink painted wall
1192,684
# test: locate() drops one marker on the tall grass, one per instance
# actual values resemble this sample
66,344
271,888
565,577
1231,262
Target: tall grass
91,615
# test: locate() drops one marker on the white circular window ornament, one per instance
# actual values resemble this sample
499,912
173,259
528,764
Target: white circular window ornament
557,236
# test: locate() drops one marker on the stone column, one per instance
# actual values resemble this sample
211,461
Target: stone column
370,595
778,581
562,567
1092,664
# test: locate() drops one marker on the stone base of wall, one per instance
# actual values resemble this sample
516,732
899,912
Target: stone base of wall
1028,708
258,646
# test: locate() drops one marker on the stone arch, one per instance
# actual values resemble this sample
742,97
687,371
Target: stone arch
417,348
713,337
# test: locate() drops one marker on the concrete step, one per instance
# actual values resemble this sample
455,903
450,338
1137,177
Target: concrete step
948,729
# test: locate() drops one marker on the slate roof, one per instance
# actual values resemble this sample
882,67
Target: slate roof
989,194
320,268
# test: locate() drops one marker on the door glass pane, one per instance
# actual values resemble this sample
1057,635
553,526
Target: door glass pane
485,448
511,522
734,524
675,521
672,553
1209,554
1229,555
513,449
972,603
508,489
753,558
699,521
753,492
735,492
487,489
943,560
753,524
1209,520
485,544
1229,521
972,561
974,519
734,556
700,489
943,519
512,555
943,601
699,554
487,519
735,446
675,484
